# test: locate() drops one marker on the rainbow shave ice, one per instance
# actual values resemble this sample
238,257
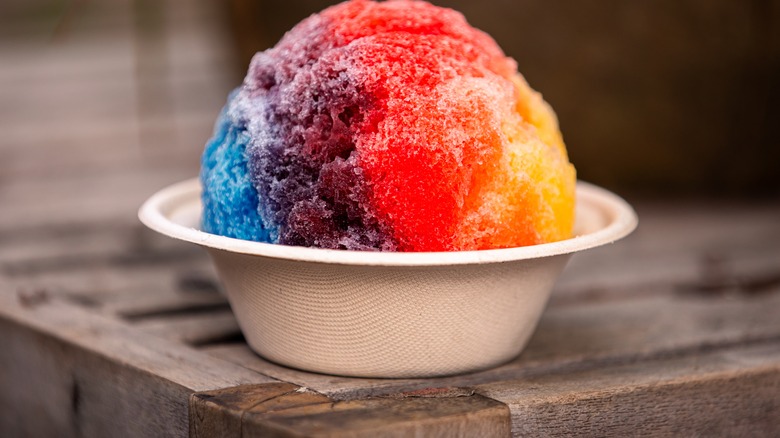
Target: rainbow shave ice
390,126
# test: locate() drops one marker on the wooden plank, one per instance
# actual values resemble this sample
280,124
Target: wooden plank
128,291
650,327
286,410
122,283
70,372
179,300
34,249
81,153
428,417
679,244
733,392
616,272
51,387
98,137
129,274
50,98
107,57
82,200
220,413
194,328
112,339
589,335
78,188
335,387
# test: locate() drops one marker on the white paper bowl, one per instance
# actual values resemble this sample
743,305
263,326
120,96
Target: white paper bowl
374,314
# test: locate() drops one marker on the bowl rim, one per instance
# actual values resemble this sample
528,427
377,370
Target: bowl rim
156,214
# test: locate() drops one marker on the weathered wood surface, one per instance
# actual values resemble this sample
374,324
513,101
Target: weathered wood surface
292,411
585,336
107,329
733,392
69,371
688,354
600,322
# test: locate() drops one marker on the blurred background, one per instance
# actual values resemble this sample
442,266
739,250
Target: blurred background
655,99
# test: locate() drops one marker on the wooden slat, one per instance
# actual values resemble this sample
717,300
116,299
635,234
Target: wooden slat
120,342
286,410
82,153
52,387
135,305
127,291
679,244
587,335
221,412
100,137
197,328
105,57
39,204
34,249
89,375
734,392
128,272
428,417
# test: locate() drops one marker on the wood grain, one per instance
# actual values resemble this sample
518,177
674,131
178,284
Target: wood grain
90,375
124,343
286,410
194,328
222,412
678,244
734,392
53,388
590,335
95,375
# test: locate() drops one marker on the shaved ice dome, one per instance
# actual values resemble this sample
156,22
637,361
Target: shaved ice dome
390,126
